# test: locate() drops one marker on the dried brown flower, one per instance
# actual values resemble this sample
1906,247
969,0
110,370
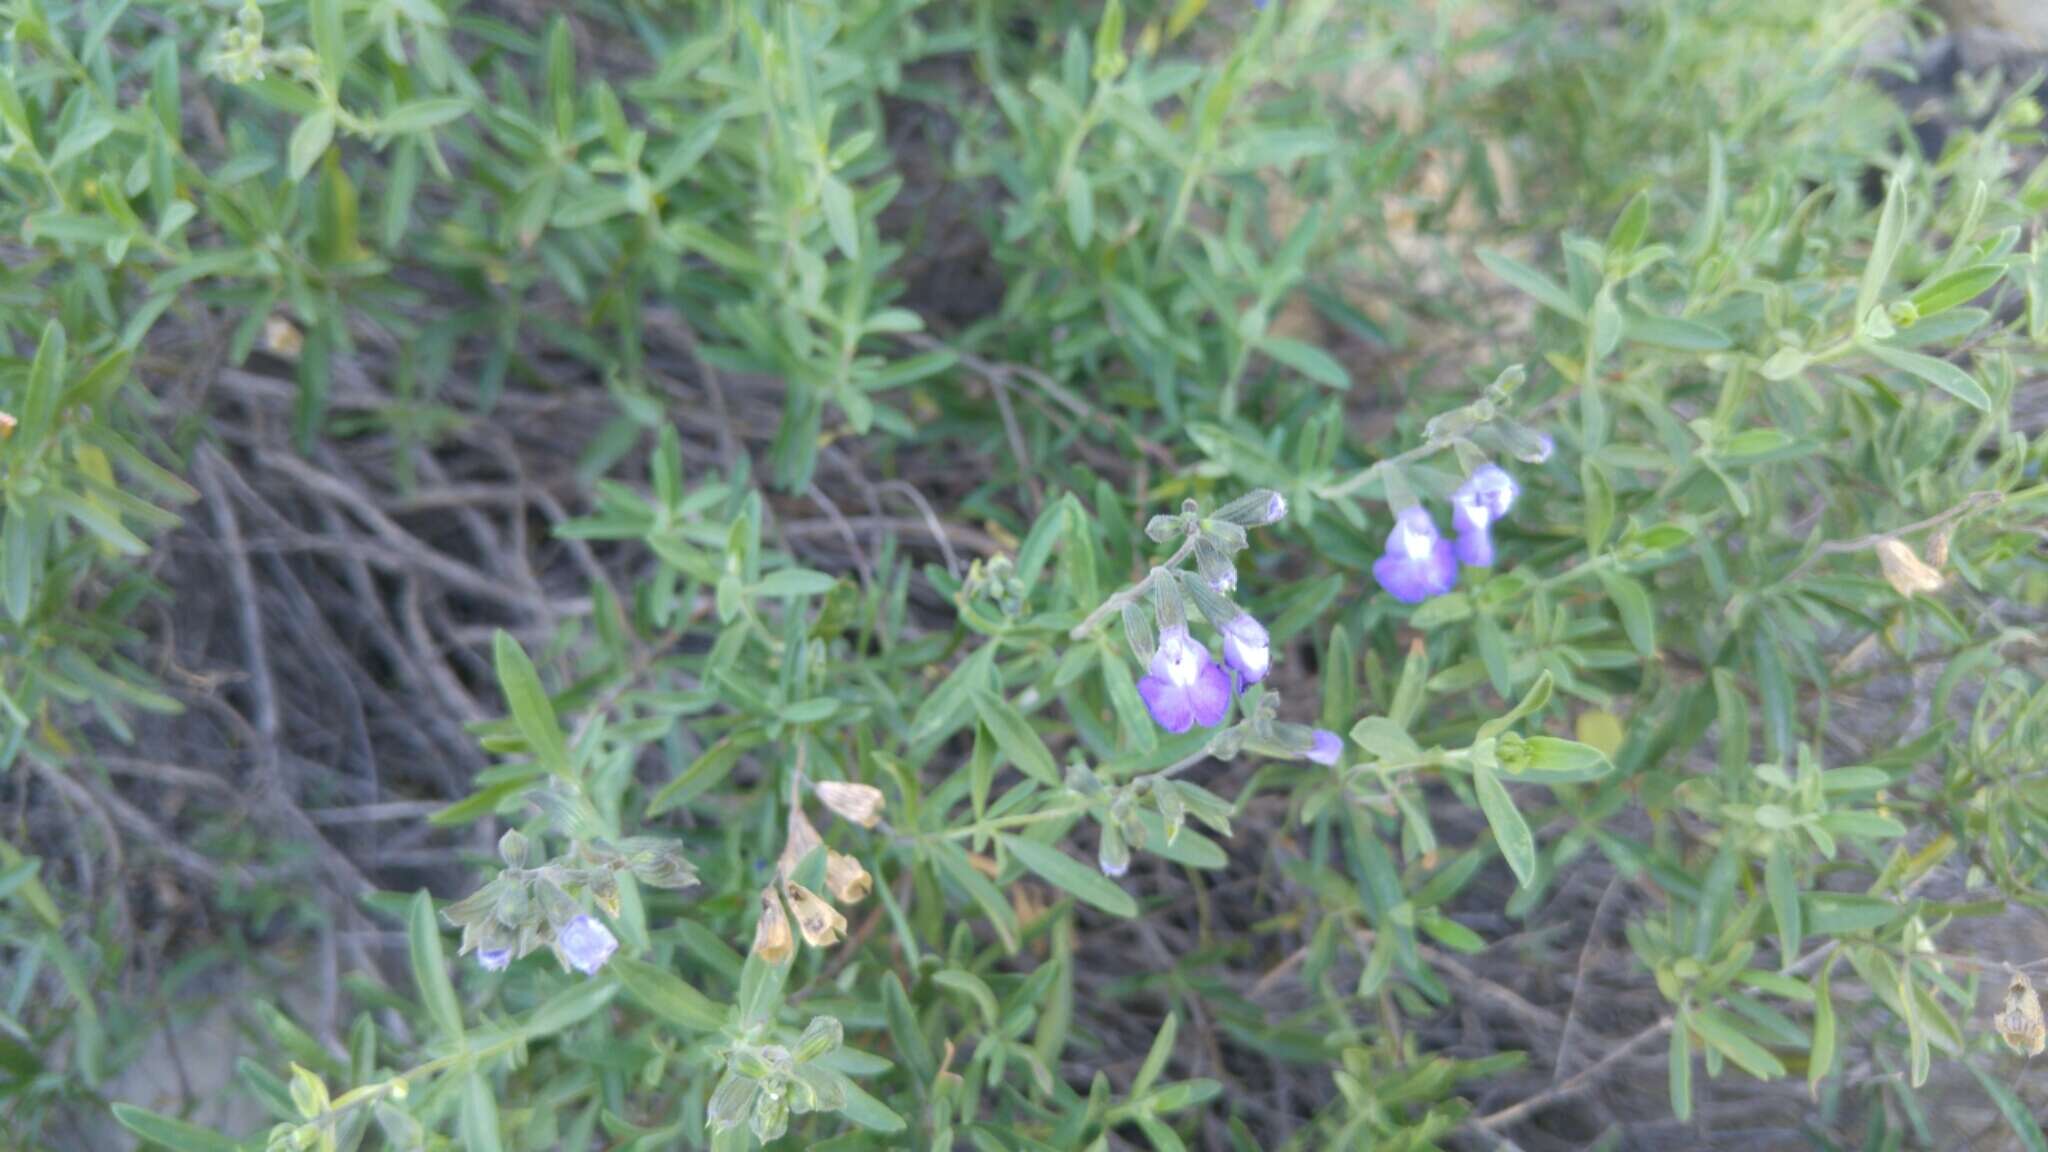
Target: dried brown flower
860,803
846,879
2020,1024
818,920
772,941
1905,572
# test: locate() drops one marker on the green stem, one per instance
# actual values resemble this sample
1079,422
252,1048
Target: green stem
1117,600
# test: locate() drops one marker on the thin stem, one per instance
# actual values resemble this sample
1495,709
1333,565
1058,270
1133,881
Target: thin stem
1117,600
1361,479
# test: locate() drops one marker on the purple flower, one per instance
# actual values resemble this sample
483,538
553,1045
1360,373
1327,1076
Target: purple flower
1224,581
1418,563
1247,648
1325,747
1479,503
586,944
1185,687
1276,505
493,959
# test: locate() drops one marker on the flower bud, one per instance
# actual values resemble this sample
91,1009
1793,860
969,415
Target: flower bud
730,1101
1254,509
512,848
1112,855
860,803
822,1035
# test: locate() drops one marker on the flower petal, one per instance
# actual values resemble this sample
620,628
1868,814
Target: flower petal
1167,702
1325,747
1475,548
1210,694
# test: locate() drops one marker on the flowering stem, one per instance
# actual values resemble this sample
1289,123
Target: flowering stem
1361,479
1117,600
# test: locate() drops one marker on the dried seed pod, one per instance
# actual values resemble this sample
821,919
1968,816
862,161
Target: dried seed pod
1905,572
2019,1024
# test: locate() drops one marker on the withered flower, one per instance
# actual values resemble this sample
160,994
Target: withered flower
860,803
846,879
1905,572
803,838
819,921
2020,1024
772,941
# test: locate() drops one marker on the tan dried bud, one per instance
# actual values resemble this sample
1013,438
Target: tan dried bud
282,338
803,837
860,803
848,882
1907,574
2020,1024
7,423
772,941
1937,545
819,921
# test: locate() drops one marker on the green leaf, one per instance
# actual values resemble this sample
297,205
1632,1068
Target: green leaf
669,996
531,711
421,115
1674,333
1884,247
1681,1071
430,967
788,583
1017,739
1599,504
1958,287
479,1125
1940,373
1724,1032
2017,1115
330,44
1820,1057
1551,760
1536,285
869,1112
1308,360
1630,227
974,988
1080,198
1781,886
176,1135
309,142
1632,602
837,201
1510,831
1064,872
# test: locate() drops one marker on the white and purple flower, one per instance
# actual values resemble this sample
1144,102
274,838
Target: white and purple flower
1325,746
1247,649
494,959
1478,504
1184,687
1418,563
586,944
